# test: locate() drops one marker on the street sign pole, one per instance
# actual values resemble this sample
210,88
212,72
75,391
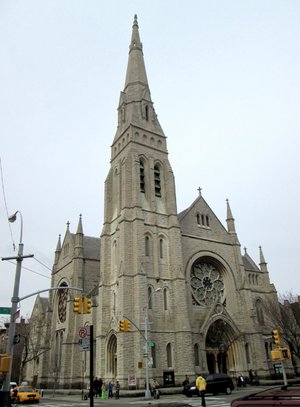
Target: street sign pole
91,366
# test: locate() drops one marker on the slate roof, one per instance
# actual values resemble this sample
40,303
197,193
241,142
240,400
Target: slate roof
91,247
249,263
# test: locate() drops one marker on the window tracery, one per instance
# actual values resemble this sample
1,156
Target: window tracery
206,282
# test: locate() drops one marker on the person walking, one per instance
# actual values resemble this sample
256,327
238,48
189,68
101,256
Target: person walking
110,391
201,387
103,395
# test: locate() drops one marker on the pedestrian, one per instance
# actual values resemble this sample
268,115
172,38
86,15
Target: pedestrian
103,394
251,376
99,387
201,387
186,381
95,387
110,391
117,390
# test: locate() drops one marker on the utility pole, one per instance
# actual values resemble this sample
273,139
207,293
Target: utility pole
14,308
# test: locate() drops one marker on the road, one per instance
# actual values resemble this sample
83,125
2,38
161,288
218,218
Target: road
176,400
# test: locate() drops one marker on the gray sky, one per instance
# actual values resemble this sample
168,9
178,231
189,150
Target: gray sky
224,77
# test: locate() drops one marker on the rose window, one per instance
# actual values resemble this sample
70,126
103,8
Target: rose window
206,282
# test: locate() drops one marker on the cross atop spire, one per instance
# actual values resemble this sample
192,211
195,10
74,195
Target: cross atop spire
199,189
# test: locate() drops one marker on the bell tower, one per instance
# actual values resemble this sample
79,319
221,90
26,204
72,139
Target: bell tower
141,254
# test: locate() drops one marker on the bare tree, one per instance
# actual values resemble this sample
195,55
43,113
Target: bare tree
36,343
285,316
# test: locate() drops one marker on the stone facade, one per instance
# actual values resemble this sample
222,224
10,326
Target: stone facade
184,274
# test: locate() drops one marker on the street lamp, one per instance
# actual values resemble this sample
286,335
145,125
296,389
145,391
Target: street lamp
14,300
147,392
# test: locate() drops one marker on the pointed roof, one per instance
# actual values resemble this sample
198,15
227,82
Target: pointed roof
249,264
136,71
230,219
58,247
135,104
79,227
261,256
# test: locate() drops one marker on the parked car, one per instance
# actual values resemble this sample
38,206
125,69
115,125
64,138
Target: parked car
23,394
215,383
276,396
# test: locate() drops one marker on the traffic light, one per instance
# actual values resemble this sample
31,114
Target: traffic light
77,305
5,363
276,337
87,305
127,325
122,325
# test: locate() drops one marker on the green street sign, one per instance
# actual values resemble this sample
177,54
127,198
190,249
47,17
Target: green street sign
5,310
151,343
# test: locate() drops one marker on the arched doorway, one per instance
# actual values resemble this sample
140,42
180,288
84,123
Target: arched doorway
111,368
218,340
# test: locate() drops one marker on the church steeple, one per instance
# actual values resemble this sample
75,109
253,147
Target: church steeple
135,104
136,71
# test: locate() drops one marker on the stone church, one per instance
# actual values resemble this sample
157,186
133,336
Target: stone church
195,302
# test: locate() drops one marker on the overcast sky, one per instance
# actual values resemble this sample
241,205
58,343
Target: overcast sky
224,78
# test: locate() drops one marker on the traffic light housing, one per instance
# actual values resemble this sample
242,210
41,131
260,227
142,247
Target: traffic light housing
122,325
5,361
127,326
276,337
87,305
77,305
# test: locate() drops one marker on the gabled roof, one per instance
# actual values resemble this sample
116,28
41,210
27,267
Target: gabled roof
249,263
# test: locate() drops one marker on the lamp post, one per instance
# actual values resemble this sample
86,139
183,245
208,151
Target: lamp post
147,392
14,300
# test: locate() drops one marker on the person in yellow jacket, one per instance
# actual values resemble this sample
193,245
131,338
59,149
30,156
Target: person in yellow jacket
201,386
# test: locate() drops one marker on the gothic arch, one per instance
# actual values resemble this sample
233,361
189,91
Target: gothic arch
111,359
220,345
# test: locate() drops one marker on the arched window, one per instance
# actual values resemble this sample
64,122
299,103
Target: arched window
161,248
142,177
196,354
259,312
198,219
169,355
157,181
147,246
202,220
165,299
147,112
247,352
149,297
207,221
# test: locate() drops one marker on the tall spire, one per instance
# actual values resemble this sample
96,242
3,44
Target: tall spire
135,104
136,71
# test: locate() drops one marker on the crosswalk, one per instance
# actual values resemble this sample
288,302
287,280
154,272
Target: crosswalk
192,401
